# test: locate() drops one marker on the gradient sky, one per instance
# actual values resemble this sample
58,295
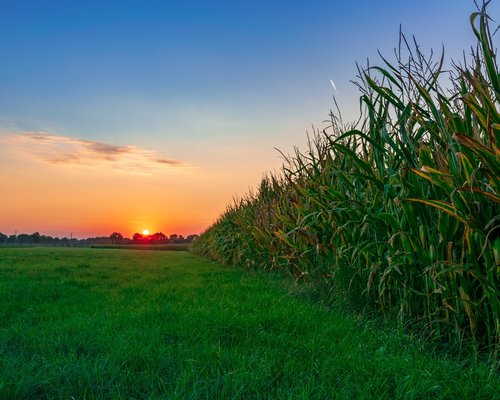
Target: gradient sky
131,115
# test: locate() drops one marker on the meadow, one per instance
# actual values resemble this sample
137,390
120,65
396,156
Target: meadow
137,324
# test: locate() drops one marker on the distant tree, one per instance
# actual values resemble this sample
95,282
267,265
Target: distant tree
23,238
116,238
138,238
47,239
99,240
35,237
158,237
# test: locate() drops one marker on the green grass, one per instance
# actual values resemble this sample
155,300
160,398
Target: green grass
167,247
127,324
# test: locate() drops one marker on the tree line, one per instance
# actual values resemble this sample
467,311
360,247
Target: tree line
115,238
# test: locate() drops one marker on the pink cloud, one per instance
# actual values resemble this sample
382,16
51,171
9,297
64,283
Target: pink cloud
65,150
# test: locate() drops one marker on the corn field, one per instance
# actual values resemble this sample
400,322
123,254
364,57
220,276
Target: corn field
399,212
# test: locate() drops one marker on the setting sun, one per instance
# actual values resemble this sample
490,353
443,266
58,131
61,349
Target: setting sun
145,232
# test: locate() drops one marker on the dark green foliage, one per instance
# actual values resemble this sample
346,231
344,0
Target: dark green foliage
399,214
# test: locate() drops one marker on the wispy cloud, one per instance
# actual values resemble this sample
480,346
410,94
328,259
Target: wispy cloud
168,162
65,150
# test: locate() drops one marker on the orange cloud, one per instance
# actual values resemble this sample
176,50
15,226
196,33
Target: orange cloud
58,149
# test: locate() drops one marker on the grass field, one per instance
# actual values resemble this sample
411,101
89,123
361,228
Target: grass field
168,247
127,324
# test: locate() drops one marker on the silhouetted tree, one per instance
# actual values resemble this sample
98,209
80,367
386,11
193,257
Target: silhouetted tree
116,238
23,238
35,237
138,237
158,237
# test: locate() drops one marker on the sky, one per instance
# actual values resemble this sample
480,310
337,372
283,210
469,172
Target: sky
130,115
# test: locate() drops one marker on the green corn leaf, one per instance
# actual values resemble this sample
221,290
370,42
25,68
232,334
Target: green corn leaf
490,196
488,54
386,93
467,167
389,76
355,132
360,163
443,206
438,120
389,219
490,159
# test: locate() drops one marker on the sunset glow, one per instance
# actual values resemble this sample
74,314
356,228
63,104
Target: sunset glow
159,114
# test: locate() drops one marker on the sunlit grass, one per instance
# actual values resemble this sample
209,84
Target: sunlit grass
126,324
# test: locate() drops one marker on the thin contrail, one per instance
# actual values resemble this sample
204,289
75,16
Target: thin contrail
333,85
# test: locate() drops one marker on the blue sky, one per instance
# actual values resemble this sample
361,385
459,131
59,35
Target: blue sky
118,69
213,84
